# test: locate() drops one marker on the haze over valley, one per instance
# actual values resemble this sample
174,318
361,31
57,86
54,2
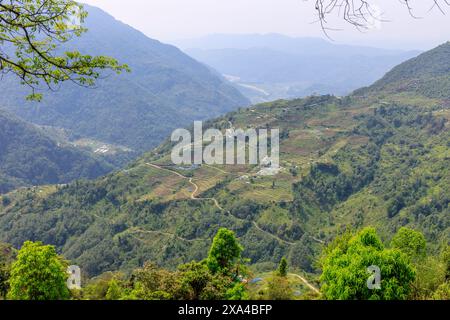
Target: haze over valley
272,66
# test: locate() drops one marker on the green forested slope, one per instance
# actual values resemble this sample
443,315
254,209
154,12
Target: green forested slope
380,160
427,74
385,166
28,156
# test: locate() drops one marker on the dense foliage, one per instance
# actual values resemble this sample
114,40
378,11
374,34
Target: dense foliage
31,35
191,281
345,265
410,242
38,274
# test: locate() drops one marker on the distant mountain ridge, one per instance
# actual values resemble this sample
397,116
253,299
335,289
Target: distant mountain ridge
165,90
283,43
286,67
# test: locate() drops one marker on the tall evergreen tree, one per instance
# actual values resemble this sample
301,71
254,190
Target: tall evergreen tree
282,268
225,252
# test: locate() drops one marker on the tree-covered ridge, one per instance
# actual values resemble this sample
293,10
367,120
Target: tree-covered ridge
432,63
28,156
427,74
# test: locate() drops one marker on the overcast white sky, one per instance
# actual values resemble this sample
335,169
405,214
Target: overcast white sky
169,20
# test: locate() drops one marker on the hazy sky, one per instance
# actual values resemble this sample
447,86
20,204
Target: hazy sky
169,20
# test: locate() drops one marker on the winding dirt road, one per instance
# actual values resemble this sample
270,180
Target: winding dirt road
216,203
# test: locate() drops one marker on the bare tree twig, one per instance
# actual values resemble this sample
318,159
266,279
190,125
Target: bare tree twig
359,13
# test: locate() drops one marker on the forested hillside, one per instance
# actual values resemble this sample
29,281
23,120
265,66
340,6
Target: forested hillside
28,156
381,159
428,75
165,90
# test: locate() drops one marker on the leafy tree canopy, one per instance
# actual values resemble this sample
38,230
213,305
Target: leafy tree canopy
410,242
345,269
32,35
38,274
